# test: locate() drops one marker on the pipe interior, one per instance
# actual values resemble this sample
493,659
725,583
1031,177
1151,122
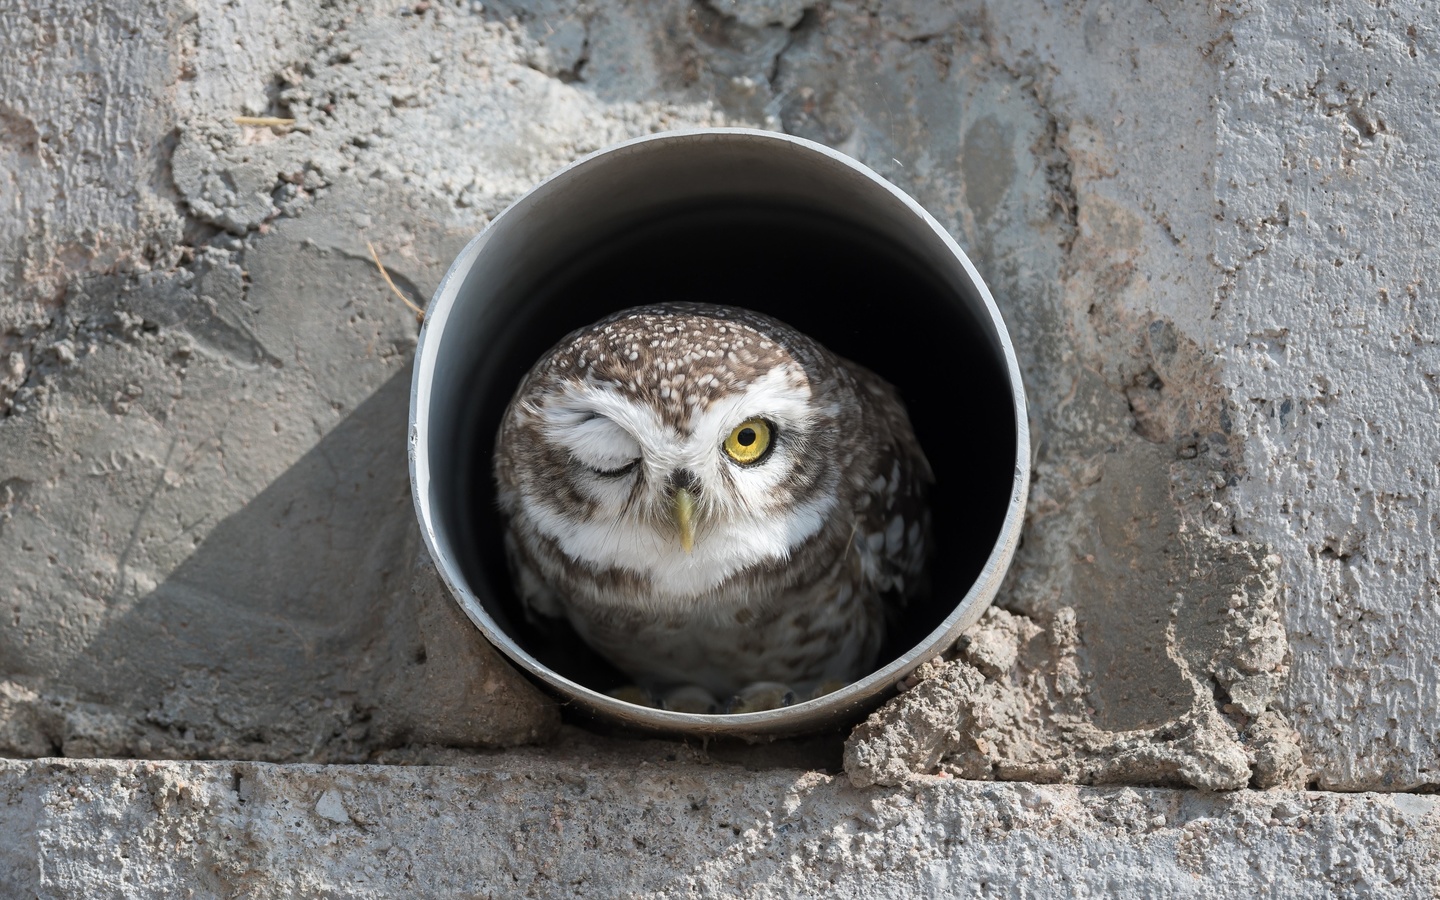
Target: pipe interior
857,292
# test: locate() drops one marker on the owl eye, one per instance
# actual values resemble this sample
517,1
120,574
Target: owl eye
749,442
600,445
616,473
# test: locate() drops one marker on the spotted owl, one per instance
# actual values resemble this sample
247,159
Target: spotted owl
714,502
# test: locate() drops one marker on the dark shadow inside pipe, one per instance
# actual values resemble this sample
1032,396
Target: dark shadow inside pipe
856,292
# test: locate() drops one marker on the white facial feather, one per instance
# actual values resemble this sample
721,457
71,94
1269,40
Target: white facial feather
598,442
740,523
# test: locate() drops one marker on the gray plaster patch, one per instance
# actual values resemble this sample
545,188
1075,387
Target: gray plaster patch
332,808
760,13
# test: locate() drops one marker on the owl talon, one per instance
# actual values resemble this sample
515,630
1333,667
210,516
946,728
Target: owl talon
823,688
690,699
760,696
633,693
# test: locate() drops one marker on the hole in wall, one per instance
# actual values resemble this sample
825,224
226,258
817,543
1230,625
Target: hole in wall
856,292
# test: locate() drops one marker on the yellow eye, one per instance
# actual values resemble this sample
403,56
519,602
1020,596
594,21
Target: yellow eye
749,441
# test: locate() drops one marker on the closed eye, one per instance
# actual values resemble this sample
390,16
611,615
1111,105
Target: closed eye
616,473
600,445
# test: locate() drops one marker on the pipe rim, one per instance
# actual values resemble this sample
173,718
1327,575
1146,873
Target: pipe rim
809,715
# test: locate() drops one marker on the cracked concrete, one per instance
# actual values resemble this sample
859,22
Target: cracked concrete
1206,229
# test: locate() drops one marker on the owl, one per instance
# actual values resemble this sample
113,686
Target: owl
719,506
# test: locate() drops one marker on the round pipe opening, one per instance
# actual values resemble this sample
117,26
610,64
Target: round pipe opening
743,218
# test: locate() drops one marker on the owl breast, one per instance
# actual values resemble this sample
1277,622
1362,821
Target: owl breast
710,498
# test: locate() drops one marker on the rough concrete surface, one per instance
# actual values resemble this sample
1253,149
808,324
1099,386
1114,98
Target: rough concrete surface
1209,229
1015,706
652,820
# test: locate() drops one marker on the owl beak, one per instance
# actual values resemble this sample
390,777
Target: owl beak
685,518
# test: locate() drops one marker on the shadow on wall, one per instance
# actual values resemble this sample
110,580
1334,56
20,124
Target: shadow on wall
303,626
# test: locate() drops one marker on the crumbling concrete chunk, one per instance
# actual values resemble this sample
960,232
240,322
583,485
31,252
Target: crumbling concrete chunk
1033,720
899,741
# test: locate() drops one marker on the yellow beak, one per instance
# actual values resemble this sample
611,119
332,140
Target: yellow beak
685,518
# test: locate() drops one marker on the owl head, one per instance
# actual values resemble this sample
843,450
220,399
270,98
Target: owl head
682,443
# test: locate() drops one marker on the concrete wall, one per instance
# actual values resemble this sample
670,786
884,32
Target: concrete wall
1209,229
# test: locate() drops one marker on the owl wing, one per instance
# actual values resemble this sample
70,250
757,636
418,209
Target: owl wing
892,529
537,598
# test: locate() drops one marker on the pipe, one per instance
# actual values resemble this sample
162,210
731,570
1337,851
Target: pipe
758,219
